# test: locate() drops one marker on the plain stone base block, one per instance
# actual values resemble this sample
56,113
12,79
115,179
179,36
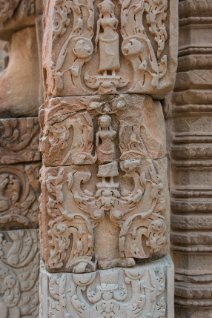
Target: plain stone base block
145,291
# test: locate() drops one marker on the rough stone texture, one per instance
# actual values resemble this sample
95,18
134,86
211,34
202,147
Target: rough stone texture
87,221
104,193
19,140
112,206
19,82
191,150
15,15
108,47
70,136
141,292
19,273
19,191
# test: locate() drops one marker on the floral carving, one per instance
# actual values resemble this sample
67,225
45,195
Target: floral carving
19,191
85,53
19,271
19,140
138,292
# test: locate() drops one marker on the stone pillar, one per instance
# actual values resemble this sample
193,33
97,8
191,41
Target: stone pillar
19,163
104,192
191,153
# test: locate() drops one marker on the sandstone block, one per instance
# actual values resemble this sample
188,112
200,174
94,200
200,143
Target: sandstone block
19,273
19,140
19,191
146,290
85,130
104,217
133,51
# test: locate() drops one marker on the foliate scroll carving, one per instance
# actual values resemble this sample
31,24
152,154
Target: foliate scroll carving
126,204
19,191
138,292
128,46
19,272
129,127
19,140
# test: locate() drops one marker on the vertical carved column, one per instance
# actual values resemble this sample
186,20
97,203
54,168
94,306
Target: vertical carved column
191,162
19,163
104,194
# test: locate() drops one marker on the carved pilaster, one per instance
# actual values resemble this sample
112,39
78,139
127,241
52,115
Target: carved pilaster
104,193
191,151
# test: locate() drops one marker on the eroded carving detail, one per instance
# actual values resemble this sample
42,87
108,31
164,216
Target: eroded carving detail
85,53
133,123
19,271
19,140
139,292
19,191
75,213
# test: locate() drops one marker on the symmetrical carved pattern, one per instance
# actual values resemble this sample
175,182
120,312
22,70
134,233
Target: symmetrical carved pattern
191,196
127,196
107,47
19,140
19,271
126,293
68,129
19,191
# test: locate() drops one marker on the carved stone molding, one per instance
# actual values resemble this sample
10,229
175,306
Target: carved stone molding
110,47
190,121
19,191
144,291
123,209
72,132
19,140
19,272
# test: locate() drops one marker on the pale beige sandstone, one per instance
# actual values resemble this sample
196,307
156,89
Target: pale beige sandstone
90,221
69,134
109,47
19,273
112,206
191,150
143,291
19,191
19,140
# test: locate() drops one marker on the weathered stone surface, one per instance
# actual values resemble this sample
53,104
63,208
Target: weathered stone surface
191,195
109,47
19,82
19,191
104,217
85,130
144,291
19,140
15,15
19,271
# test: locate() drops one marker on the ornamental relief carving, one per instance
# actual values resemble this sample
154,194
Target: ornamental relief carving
19,271
19,140
109,47
125,204
19,191
88,130
127,293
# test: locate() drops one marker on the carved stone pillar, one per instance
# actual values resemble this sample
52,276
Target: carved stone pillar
104,192
191,152
19,163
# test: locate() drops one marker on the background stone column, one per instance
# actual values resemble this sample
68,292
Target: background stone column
104,190
19,162
191,151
